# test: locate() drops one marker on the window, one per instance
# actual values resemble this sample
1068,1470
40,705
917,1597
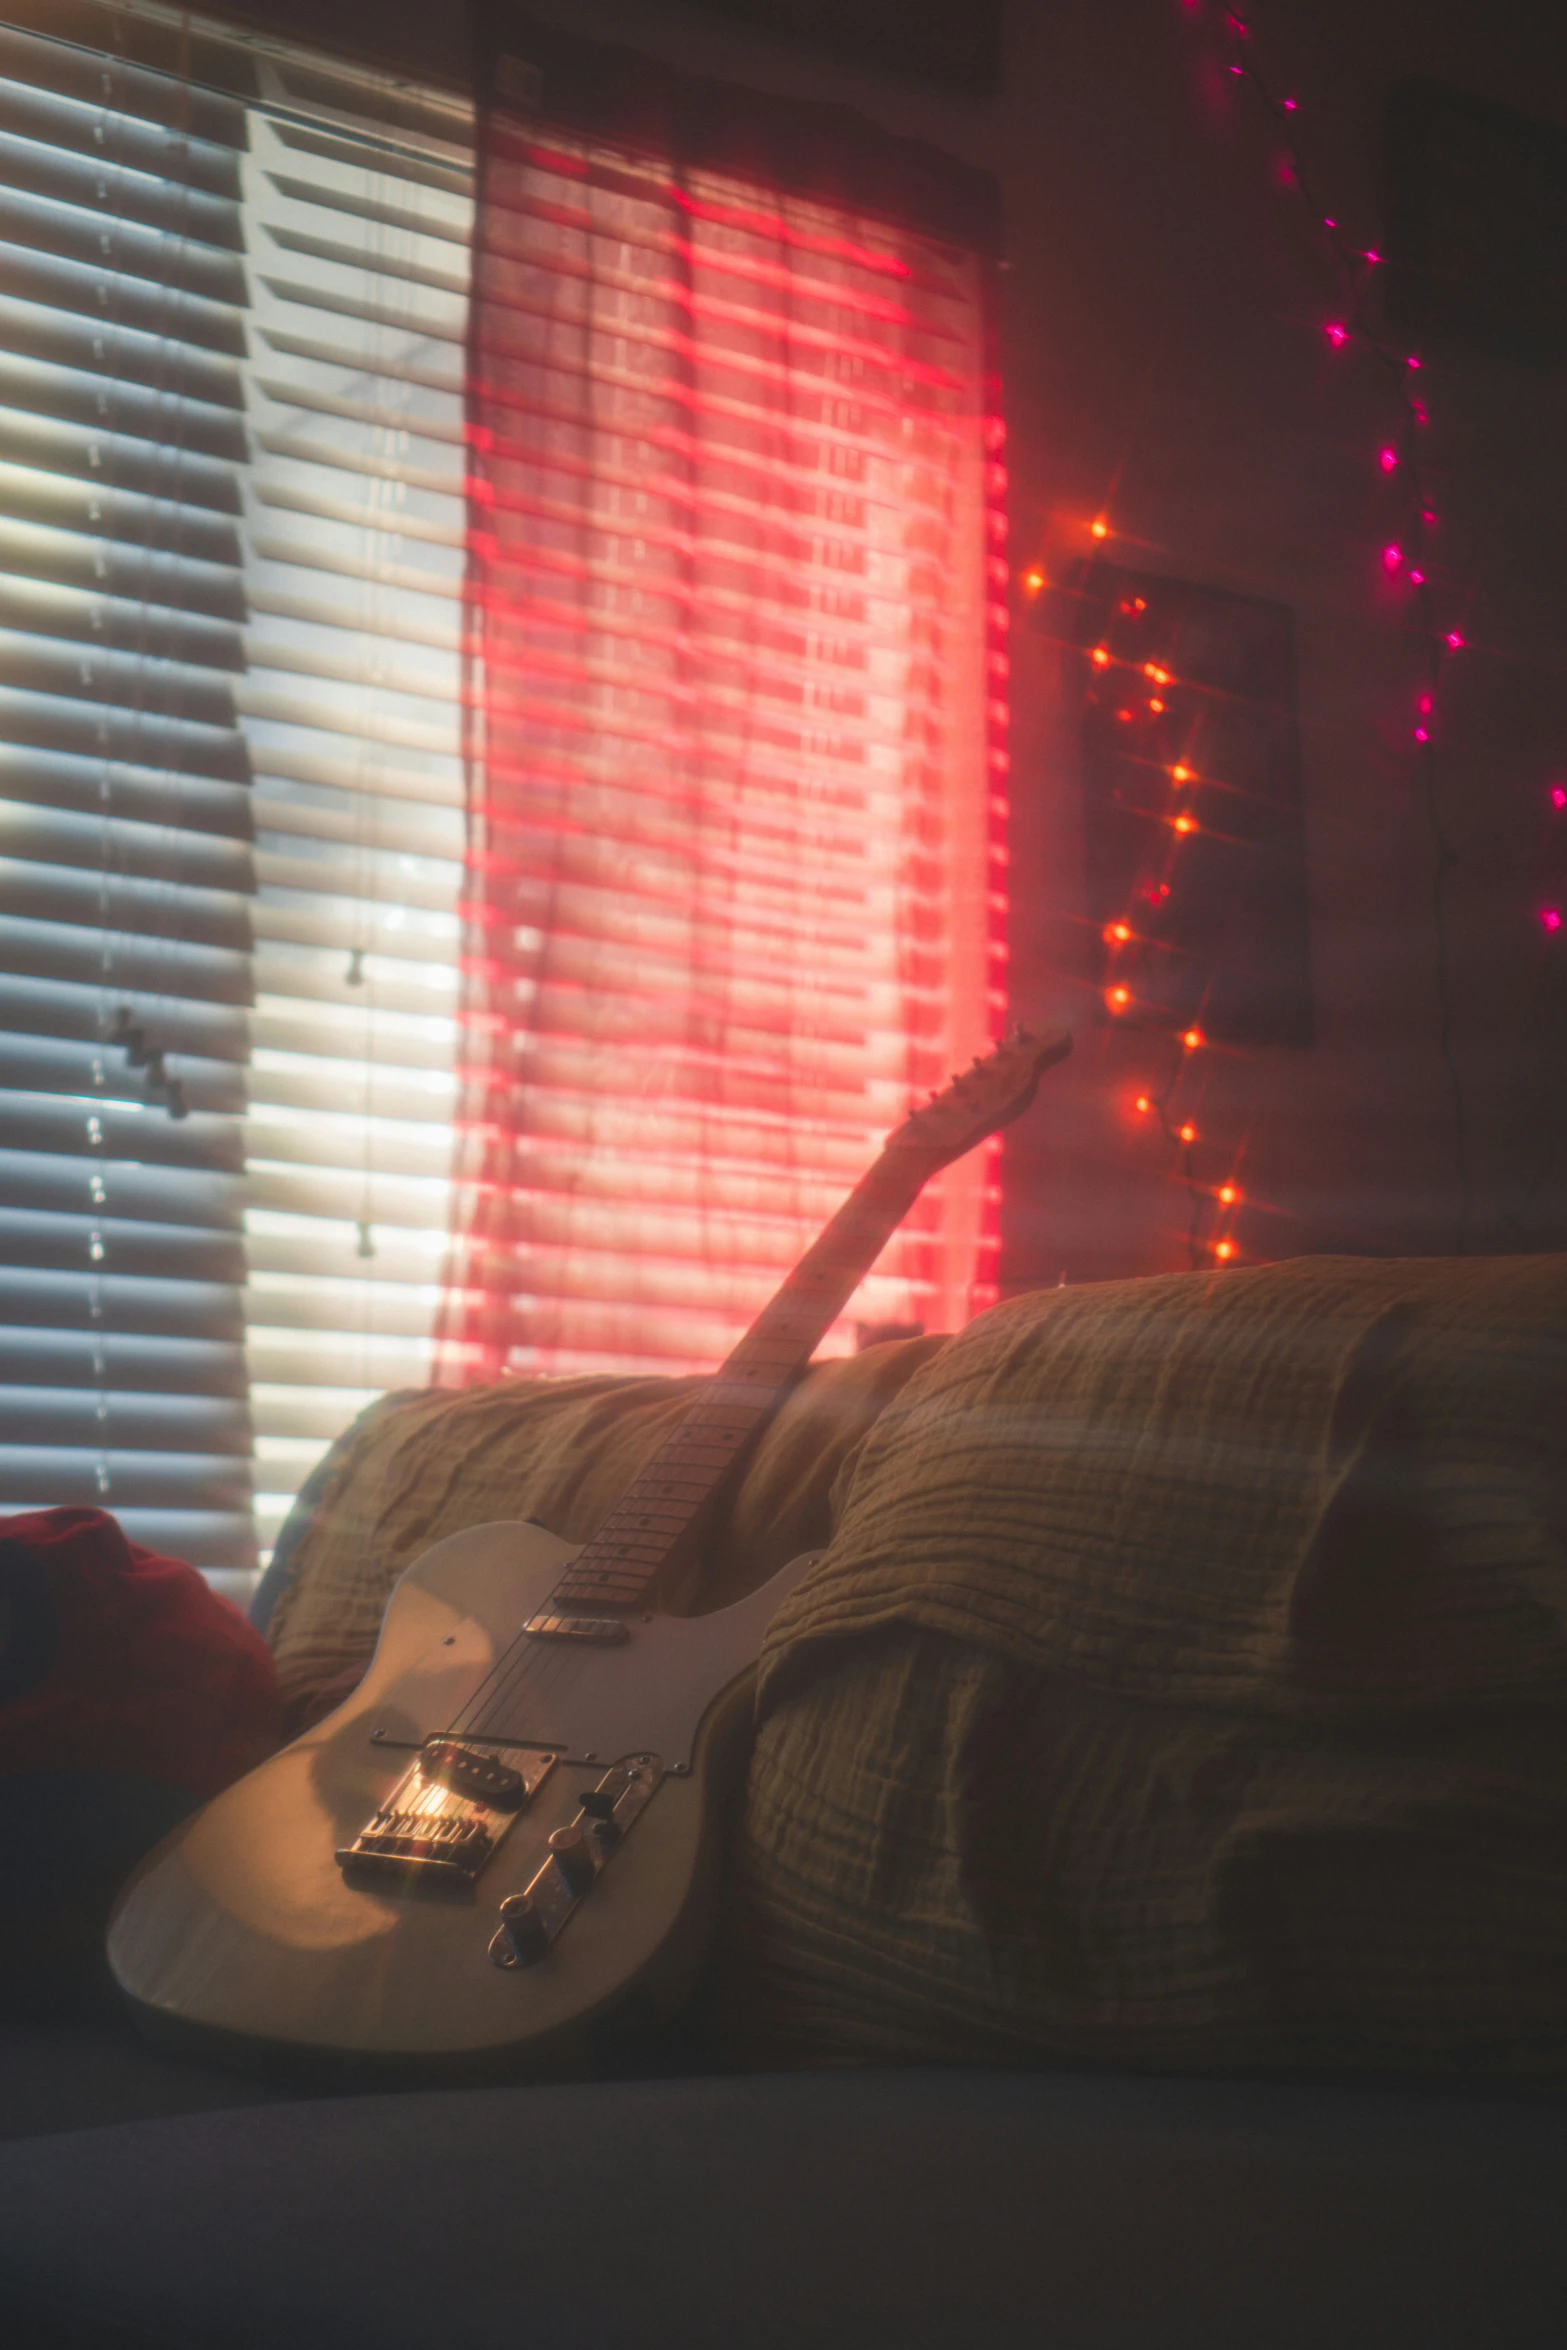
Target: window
324,1071
232,514
732,894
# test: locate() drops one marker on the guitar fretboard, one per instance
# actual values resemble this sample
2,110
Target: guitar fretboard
660,1511
657,1529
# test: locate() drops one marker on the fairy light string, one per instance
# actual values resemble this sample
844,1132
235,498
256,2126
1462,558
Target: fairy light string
1165,723
1409,558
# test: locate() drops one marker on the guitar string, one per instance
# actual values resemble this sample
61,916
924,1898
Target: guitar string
529,1665
521,1671
521,1667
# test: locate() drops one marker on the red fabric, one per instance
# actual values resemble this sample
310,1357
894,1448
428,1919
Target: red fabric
144,1670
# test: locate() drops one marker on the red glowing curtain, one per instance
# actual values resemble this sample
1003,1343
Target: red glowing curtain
735,881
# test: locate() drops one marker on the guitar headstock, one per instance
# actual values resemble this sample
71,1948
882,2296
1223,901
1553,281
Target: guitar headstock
996,1089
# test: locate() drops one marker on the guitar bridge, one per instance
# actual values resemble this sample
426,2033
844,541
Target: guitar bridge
446,1818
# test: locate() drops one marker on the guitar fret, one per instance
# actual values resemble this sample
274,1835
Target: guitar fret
666,1501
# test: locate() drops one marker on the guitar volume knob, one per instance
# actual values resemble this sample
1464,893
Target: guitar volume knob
573,1857
523,1930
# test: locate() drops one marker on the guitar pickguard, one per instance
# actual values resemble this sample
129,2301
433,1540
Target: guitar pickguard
593,1703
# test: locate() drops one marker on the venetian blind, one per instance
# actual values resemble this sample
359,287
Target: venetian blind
242,1020
355,519
232,306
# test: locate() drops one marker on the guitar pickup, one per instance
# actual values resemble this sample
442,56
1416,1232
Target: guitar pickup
599,1631
468,1770
443,1823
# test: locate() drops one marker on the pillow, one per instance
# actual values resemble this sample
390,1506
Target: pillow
1185,1685
129,1693
423,1464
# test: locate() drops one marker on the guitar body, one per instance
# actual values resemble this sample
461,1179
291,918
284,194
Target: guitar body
245,1935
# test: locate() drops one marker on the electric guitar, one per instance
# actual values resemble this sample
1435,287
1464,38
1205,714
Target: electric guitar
508,1835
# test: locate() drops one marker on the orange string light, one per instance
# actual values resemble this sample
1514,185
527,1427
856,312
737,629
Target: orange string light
1143,662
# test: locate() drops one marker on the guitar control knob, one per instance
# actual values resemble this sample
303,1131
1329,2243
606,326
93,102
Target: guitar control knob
573,1858
524,1929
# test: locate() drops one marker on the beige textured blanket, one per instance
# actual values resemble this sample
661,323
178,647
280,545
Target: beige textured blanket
419,1466
1186,1684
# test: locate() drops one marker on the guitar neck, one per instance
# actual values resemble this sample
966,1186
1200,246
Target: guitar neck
661,1514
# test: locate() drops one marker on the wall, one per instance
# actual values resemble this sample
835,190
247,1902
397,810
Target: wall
1165,365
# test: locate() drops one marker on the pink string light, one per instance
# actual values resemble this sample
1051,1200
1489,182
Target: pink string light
1411,551
1399,461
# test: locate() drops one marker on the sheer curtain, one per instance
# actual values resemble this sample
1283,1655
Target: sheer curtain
734,889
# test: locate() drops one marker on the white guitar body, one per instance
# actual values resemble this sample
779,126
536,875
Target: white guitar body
508,1837
244,1934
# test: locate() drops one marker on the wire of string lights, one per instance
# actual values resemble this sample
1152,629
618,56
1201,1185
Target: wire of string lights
1409,551
1410,559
